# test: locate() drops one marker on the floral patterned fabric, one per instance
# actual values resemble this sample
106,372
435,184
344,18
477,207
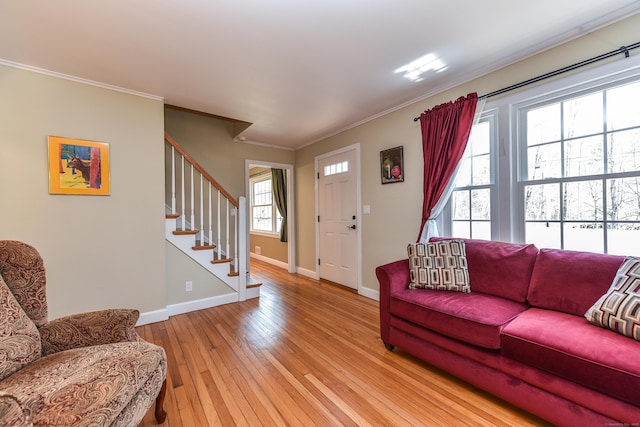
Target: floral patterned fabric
89,386
86,329
19,337
23,270
87,369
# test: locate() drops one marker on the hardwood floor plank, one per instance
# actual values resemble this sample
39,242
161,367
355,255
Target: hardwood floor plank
307,352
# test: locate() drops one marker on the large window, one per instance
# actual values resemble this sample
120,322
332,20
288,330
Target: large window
471,197
557,165
263,208
581,171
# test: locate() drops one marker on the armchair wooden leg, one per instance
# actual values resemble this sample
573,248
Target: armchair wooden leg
161,414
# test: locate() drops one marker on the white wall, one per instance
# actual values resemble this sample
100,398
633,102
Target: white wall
99,251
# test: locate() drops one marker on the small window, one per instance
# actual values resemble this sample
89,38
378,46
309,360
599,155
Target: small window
336,168
263,208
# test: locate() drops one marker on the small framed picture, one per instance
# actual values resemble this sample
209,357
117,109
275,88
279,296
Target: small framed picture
392,165
77,166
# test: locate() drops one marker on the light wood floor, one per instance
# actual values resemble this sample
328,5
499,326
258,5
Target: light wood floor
306,353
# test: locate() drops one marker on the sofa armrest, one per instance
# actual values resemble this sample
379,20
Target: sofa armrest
392,277
90,328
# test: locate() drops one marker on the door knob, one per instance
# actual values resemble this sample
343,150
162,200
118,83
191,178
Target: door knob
353,227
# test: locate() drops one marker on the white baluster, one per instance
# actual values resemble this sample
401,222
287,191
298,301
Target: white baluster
173,180
201,212
209,209
235,236
227,235
193,216
218,229
184,189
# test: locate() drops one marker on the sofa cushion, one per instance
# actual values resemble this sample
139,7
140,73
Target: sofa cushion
474,318
439,266
89,385
19,337
571,281
498,268
570,347
619,308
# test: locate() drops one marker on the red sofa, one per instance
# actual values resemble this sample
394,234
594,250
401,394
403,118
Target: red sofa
521,333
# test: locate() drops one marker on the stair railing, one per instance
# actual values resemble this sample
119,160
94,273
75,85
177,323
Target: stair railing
214,214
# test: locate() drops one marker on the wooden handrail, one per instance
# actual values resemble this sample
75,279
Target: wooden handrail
200,169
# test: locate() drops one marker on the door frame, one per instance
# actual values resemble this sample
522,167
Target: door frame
291,220
358,175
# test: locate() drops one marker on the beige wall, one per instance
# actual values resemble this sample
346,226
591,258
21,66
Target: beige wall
180,269
99,251
396,209
270,247
210,141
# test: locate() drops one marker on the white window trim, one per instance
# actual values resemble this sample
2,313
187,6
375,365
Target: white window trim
252,180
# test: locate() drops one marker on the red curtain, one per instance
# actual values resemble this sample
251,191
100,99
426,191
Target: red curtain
445,132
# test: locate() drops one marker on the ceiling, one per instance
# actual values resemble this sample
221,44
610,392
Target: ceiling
297,70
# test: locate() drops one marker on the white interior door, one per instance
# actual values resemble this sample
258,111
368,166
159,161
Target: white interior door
338,233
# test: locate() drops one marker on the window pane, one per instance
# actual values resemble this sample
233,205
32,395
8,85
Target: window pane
544,161
624,151
463,178
481,230
461,205
583,200
584,237
623,108
461,229
622,239
542,202
481,204
583,116
262,218
543,234
583,156
262,192
481,170
480,138
623,199
543,124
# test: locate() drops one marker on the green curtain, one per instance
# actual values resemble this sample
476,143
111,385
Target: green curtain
279,187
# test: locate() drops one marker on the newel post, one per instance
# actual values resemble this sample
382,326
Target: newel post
242,237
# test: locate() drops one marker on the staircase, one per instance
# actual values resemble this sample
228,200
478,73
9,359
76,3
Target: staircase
205,222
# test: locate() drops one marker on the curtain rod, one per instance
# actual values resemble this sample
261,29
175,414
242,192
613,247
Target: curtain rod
621,50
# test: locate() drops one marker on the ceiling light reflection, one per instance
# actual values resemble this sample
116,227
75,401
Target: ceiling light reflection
415,70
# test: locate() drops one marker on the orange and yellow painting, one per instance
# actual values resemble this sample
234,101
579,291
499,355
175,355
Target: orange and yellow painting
78,166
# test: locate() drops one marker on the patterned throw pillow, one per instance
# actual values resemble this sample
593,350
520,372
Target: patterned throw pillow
439,265
619,308
19,337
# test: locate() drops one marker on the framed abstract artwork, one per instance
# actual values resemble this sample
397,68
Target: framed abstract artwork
392,165
78,166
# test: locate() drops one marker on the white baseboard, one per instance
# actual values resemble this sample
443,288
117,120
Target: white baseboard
268,260
308,273
200,304
369,293
153,317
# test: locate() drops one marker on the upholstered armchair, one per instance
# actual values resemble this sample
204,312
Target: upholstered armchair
88,369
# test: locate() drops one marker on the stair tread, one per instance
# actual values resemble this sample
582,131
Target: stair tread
221,261
203,247
172,216
185,232
253,283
